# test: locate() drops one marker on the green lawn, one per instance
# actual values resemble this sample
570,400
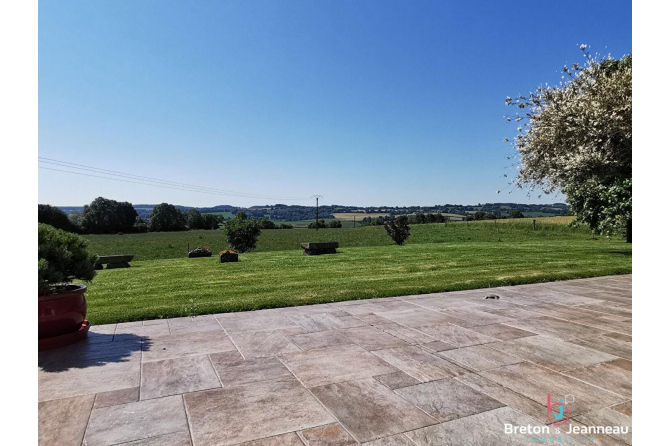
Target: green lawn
445,260
171,245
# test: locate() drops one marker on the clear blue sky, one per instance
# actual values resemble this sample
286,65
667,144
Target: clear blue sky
363,102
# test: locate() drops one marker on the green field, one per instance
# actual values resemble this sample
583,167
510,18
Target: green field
171,245
163,283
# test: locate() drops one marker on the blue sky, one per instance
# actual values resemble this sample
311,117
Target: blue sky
365,103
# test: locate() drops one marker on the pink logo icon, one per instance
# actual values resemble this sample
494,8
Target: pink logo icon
555,417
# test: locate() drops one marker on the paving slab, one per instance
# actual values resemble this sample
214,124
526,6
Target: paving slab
63,422
116,397
417,317
502,332
505,396
369,410
477,430
88,378
328,435
233,370
371,338
609,417
174,439
136,421
420,364
290,439
552,353
393,440
615,376
535,382
327,321
556,328
195,324
479,357
252,411
396,380
407,334
186,344
448,399
625,408
263,344
319,339
343,363
607,343
256,321
176,376
455,335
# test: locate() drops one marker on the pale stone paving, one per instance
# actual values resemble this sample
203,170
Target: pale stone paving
438,369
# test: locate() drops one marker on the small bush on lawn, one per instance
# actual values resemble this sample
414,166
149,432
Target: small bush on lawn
242,233
62,258
398,229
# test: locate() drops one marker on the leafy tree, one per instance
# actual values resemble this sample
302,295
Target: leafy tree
194,219
398,229
62,257
335,224
140,225
166,217
211,221
515,213
578,137
56,217
242,233
264,223
104,216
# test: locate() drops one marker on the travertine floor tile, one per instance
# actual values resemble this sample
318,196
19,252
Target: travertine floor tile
502,332
63,422
370,410
88,378
456,335
233,370
135,421
420,364
448,399
396,380
480,429
115,397
319,339
535,382
261,344
552,353
329,435
252,411
371,338
336,364
615,376
186,344
176,376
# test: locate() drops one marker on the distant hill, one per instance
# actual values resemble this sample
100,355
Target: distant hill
283,212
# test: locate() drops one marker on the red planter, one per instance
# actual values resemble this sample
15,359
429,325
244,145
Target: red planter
62,317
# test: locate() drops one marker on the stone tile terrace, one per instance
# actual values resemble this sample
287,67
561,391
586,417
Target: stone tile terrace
437,369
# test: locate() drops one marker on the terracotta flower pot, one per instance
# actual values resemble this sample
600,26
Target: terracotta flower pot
62,317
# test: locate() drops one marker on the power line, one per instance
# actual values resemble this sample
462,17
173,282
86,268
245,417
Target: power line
148,181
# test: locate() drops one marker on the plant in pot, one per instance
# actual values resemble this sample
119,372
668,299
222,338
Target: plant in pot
62,258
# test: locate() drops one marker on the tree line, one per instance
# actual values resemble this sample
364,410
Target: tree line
105,216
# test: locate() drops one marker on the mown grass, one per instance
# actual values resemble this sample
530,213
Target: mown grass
178,287
170,245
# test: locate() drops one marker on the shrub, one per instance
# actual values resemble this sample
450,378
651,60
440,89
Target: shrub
242,233
515,213
398,229
335,224
56,217
62,258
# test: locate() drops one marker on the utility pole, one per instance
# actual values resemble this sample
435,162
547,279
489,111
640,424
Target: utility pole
317,210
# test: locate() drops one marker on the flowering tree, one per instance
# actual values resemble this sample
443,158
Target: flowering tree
577,137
